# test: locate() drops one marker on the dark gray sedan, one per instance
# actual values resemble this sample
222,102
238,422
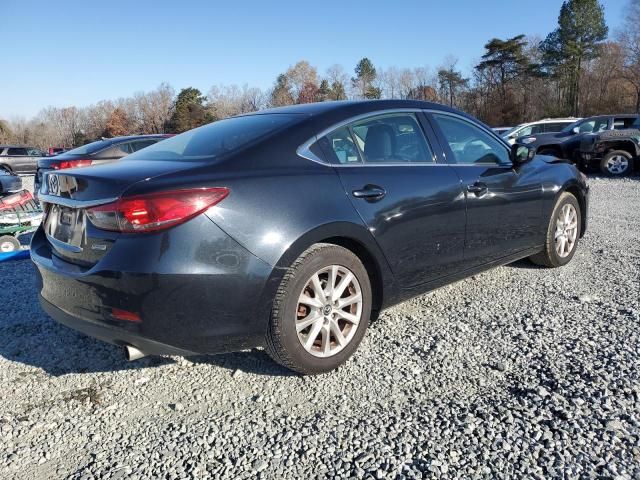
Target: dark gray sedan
292,228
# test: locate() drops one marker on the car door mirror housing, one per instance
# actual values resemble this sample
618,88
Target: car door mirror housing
522,153
576,130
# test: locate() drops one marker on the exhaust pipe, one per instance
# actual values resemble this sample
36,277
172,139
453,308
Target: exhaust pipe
131,353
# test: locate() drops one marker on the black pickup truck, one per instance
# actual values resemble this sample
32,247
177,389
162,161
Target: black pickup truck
609,143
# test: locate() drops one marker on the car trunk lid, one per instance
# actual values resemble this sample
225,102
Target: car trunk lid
67,194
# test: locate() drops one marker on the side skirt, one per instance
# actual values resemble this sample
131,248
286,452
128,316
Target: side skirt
423,288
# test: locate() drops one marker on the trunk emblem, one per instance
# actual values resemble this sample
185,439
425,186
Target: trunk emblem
53,183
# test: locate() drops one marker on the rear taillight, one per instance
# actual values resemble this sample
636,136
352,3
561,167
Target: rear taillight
155,211
62,164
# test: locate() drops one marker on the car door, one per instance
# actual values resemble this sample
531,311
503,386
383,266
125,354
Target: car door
20,161
413,206
504,208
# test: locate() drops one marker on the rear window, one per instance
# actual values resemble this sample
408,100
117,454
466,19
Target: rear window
216,138
90,148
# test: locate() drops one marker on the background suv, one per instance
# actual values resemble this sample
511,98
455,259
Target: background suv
567,143
548,125
102,151
19,159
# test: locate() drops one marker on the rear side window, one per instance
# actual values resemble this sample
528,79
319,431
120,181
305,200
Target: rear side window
389,138
216,138
554,127
623,123
17,151
343,146
394,138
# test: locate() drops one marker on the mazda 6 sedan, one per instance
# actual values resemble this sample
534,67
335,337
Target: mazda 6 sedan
293,228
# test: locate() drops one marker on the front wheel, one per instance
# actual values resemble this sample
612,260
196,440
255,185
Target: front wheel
9,244
616,163
321,310
563,233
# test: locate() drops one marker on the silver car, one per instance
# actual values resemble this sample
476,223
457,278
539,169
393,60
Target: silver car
19,159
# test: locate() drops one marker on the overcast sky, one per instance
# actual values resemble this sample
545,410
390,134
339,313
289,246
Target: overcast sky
77,52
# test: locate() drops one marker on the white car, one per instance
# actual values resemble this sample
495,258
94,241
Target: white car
547,125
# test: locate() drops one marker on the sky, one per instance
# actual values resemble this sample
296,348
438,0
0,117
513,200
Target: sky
77,52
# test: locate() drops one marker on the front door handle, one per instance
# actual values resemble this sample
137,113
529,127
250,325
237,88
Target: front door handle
370,192
478,188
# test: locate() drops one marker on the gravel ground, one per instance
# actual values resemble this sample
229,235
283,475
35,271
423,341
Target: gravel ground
520,371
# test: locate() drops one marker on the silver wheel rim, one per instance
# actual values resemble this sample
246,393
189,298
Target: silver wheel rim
566,230
617,164
7,247
329,311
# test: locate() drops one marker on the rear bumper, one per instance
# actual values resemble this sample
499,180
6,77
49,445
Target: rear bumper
110,333
213,297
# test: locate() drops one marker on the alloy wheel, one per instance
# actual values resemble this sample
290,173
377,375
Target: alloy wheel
617,164
329,310
566,230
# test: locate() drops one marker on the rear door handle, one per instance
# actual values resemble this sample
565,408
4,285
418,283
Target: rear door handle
370,192
478,188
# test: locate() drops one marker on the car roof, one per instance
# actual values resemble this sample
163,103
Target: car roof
364,105
136,137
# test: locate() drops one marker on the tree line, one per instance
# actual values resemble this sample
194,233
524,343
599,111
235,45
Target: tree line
576,70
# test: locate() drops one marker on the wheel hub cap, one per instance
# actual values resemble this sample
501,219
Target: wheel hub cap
329,311
617,164
566,230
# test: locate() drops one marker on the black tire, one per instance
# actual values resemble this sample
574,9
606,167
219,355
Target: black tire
606,168
548,257
283,344
9,244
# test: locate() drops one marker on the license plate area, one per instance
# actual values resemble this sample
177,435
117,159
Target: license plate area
65,225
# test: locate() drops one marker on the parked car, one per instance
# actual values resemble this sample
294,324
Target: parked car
102,151
566,144
291,228
19,159
613,152
548,125
501,130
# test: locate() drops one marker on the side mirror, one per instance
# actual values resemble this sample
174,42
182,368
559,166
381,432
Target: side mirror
522,153
576,130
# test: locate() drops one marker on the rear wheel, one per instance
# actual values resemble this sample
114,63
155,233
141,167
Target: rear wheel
9,244
563,233
321,310
616,163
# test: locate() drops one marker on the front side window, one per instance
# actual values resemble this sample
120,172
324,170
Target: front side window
593,126
393,138
469,144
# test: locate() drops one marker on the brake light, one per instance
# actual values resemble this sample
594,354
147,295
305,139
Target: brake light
155,211
62,164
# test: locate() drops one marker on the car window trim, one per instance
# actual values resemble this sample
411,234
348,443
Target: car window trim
304,150
447,149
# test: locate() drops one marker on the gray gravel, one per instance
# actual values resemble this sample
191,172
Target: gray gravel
520,371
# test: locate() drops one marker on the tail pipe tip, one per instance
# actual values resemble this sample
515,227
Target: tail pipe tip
131,353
